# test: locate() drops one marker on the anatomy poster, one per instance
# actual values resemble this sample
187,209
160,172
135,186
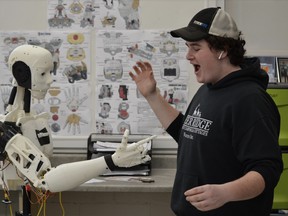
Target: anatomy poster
69,100
118,103
91,89
93,14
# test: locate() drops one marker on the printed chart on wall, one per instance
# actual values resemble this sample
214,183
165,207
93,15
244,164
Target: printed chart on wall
68,100
89,14
118,103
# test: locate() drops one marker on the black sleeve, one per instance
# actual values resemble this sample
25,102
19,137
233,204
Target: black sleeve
175,127
262,153
256,140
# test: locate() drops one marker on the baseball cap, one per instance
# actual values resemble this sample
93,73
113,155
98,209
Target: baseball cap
209,21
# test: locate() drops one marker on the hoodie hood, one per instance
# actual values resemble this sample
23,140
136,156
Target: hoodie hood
250,71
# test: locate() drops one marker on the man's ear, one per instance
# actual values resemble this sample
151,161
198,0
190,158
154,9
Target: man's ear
220,56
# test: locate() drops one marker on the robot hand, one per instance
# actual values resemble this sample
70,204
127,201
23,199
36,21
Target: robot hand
129,155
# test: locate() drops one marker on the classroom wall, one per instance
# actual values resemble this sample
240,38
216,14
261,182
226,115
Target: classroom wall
261,21
164,14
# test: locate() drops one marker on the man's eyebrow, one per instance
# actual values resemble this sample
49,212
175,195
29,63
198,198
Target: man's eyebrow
190,44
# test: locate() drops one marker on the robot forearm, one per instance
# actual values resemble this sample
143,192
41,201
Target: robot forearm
68,176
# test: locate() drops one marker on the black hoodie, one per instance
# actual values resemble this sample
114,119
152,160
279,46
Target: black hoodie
229,129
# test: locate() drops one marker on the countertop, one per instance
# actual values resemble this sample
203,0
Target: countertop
163,182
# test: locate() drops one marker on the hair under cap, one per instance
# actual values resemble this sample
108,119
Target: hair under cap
209,21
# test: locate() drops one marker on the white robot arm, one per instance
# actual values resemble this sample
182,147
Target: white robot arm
36,167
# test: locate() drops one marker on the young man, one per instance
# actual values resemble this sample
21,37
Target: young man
229,160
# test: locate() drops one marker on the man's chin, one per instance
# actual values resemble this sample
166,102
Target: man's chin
199,80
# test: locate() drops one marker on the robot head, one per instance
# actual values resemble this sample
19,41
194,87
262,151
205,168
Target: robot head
31,67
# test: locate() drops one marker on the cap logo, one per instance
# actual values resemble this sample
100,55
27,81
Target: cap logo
204,25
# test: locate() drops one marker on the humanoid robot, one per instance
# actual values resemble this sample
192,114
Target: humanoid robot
25,137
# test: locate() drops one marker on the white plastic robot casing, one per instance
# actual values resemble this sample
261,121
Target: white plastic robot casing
40,62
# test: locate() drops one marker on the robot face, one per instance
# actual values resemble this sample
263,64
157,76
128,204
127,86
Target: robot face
31,67
41,81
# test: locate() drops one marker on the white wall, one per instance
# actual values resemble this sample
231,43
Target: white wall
263,23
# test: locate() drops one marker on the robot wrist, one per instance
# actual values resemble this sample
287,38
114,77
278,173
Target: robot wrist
110,163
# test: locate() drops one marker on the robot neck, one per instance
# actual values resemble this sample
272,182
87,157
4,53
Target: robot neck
19,101
22,99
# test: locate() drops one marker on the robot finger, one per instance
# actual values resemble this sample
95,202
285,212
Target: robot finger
124,141
146,159
144,151
143,141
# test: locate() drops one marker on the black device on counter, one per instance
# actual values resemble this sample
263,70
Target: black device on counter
101,144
